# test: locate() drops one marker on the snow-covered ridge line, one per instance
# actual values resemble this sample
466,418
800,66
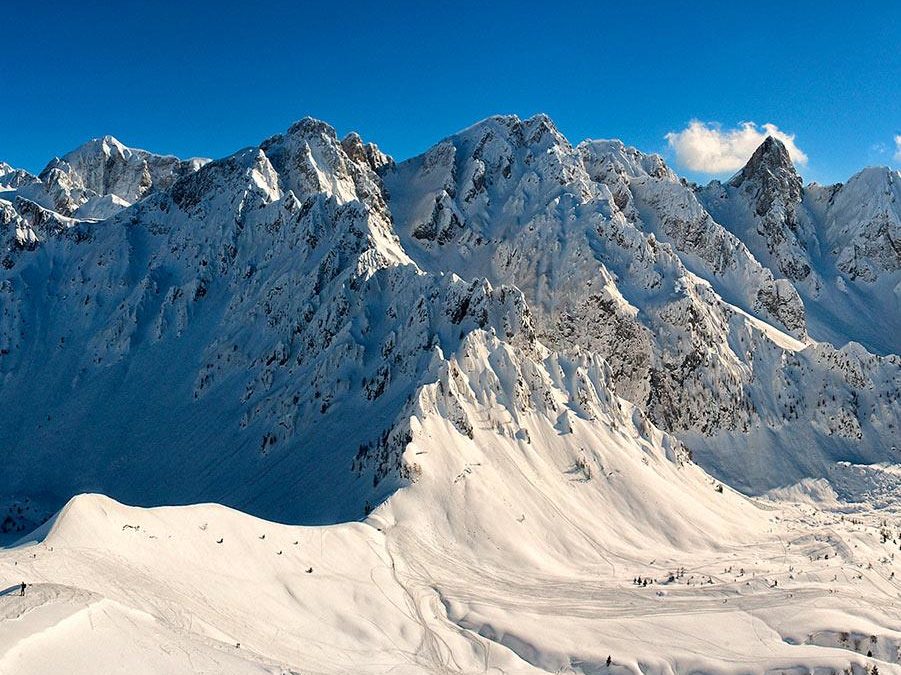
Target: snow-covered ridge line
301,283
98,179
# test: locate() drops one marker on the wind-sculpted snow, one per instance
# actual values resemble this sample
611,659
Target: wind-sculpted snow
517,549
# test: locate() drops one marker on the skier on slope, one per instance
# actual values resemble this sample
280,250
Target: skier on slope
22,589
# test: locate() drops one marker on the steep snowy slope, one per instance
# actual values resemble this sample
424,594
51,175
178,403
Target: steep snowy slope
260,307
515,550
538,499
838,244
863,224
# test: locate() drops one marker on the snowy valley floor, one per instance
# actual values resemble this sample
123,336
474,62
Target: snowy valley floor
208,589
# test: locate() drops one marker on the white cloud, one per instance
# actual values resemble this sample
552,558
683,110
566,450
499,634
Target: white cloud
707,148
898,148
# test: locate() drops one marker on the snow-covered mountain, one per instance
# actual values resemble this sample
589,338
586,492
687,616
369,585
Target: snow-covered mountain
91,183
11,178
98,179
616,255
309,281
838,244
519,360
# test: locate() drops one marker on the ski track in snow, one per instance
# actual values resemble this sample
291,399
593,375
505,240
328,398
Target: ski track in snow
174,597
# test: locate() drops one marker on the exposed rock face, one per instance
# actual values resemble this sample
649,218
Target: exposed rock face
365,153
770,176
773,189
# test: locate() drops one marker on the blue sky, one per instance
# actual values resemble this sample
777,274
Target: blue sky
207,78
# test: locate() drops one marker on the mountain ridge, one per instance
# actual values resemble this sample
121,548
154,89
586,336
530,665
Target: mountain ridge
504,226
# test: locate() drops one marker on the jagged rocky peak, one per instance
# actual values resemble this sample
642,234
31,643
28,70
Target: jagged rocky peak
657,201
773,223
367,153
309,160
12,178
297,185
106,167
771,174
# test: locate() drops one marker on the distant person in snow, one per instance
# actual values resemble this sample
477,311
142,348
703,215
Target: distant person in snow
22,589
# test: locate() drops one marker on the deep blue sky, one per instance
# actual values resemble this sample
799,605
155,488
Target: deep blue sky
207,78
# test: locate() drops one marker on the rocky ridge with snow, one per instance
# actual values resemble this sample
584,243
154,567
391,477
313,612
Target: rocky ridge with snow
308,281
617,256
838,244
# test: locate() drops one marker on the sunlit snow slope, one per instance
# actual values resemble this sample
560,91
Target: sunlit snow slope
504,557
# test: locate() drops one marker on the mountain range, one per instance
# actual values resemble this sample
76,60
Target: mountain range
520,356
254,305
